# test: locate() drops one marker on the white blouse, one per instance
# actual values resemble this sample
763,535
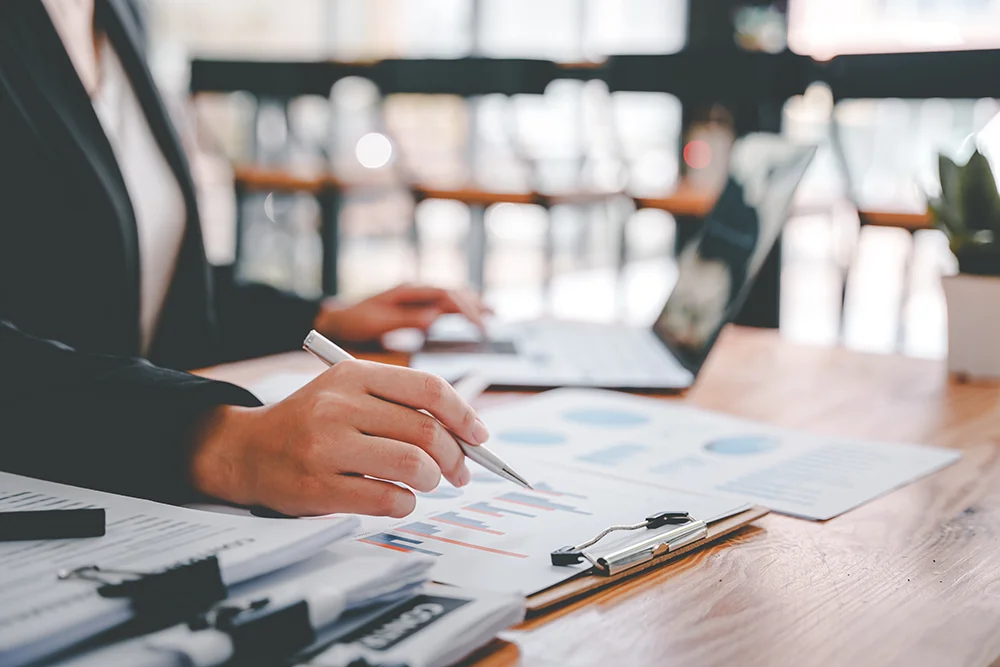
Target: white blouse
156,196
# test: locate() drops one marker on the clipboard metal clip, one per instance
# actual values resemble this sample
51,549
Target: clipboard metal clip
687,531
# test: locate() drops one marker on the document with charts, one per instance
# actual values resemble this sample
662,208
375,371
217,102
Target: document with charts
672,444
493,535
599,458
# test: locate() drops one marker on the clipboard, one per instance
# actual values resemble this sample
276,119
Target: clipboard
590,581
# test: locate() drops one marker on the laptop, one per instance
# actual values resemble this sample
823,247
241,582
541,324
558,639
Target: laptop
715,273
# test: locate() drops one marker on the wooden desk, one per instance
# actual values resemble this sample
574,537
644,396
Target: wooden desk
912,578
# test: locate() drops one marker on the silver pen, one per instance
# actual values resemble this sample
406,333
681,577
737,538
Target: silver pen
330,353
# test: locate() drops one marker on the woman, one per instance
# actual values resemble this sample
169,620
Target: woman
104,287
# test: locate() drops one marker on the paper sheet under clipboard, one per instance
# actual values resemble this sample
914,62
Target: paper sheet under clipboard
495,536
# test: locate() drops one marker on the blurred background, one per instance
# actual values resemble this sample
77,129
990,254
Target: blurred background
556,153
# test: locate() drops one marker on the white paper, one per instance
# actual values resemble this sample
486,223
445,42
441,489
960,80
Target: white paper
494,535
677,446
279,386
40,614
362,581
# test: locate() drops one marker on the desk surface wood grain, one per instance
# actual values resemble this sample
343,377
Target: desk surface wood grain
912,578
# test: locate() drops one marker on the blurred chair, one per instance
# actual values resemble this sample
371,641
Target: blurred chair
897,217
495,168
419,165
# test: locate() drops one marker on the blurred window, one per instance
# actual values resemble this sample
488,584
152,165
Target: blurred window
635,26
826,28
566,30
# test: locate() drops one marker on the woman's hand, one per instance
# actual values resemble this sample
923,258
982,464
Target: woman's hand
403,307
328,447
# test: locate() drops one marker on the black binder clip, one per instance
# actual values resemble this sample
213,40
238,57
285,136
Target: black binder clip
170,595
263,632
688,530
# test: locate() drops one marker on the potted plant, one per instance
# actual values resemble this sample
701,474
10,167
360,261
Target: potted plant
968,212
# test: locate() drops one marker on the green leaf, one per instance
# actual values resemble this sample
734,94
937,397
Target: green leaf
978,200
947,218
950,175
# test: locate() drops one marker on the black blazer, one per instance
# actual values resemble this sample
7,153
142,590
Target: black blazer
76,404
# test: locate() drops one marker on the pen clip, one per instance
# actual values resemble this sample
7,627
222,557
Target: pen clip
687,530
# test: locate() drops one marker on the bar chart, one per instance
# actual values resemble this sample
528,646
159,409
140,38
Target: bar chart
431,532
397,543
538,503
482,519
499,536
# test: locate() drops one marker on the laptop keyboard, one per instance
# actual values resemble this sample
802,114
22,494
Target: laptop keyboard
604,352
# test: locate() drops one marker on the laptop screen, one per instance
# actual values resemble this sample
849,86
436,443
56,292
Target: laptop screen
718,266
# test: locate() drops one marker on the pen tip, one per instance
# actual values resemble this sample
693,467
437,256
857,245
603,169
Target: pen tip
514,477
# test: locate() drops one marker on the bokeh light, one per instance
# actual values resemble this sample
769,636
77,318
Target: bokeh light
698,154
373,150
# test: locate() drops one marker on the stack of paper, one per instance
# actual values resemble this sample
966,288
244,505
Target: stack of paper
42,614
390,616
353,584
363,582
439,627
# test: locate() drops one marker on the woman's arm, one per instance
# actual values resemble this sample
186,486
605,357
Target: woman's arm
126,426
104,422
257,320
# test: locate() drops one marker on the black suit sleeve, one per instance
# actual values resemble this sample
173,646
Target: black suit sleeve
104,422
258,320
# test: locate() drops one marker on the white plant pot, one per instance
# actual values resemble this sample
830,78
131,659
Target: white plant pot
973,325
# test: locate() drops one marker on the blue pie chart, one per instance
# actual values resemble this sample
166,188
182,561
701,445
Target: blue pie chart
743,445
606,418
531,437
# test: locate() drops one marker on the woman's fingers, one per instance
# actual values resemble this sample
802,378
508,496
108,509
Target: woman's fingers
389,459
415,295
415,389
363,495
406,425
339,443
406,318
463,302
469,306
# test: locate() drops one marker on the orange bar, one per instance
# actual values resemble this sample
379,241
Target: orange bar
462,525
461,544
